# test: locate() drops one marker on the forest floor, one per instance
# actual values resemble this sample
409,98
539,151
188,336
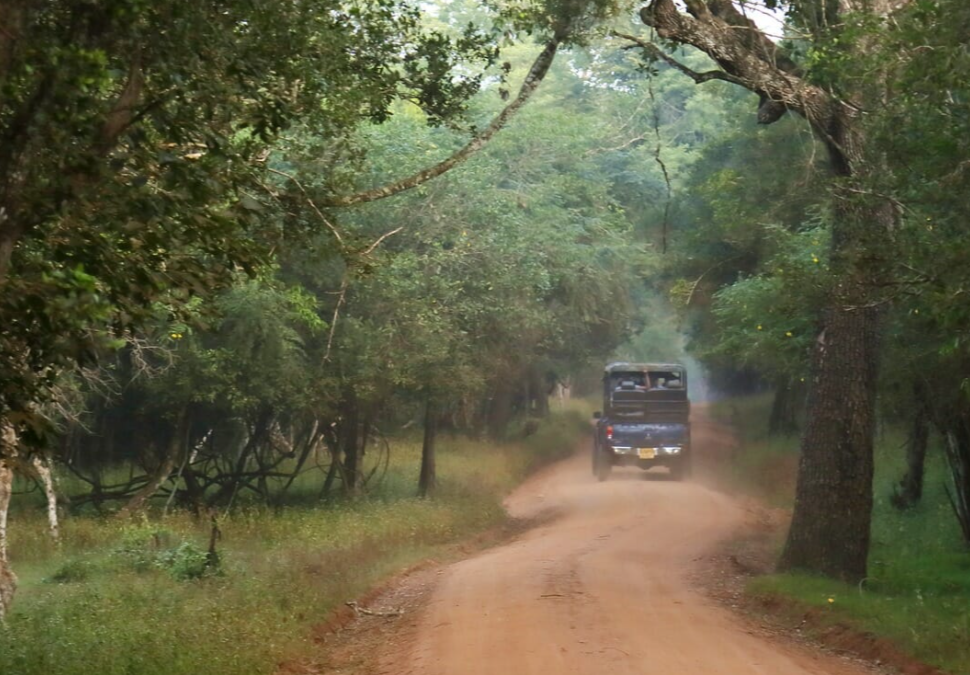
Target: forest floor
634,575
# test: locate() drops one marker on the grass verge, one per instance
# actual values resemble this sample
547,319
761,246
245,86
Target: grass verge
918,591
122,599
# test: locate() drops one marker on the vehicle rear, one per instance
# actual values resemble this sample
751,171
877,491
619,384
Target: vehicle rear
646,421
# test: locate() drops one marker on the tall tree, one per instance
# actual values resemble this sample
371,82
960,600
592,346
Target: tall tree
830,527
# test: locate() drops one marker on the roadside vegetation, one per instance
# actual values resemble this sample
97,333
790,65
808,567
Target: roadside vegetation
917,594
138,597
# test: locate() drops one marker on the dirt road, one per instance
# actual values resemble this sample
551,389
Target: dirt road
602,589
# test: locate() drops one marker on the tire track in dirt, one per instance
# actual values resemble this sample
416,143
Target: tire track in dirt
604,588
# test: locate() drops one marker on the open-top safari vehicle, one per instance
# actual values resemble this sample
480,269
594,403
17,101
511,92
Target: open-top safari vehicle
645,419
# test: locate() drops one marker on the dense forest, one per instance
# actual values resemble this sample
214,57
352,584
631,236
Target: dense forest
247,247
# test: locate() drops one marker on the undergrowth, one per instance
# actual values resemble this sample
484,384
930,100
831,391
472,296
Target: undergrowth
917,593
139,598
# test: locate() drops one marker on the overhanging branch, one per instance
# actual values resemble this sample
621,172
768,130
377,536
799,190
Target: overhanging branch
743,52
537,73
657,53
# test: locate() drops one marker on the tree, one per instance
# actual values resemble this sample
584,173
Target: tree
132,141
830,526
923,131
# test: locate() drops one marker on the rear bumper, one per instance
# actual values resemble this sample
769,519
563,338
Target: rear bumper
625,455
662,451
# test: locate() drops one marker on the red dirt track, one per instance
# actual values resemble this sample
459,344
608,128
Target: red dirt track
601,589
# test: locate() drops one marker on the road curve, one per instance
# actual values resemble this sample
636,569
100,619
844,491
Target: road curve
600,590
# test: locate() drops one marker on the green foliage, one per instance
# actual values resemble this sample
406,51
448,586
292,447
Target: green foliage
187,561
767,321
518,260
71,571
134,139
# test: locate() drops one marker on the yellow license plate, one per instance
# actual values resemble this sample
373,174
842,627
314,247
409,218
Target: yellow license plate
647,453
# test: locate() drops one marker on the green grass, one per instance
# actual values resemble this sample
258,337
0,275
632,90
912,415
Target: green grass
918,590
123,599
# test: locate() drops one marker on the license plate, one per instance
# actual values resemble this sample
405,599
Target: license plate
647,453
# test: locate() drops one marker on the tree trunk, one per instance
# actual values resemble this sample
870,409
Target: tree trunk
909,492
42,465
958,460
164,470
309,445
8,452
332,472
830,525
428,479
831,521
350,439
829,531
194,490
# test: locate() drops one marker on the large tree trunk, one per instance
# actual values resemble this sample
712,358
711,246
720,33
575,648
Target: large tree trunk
427,481
8,453
829,532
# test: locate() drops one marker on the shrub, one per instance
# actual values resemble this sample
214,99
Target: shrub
70,571
187,561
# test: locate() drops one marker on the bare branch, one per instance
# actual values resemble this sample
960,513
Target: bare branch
377,242
344,283
537,73
121,114
697,281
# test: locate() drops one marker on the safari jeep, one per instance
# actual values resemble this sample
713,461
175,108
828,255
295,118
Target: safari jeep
645,419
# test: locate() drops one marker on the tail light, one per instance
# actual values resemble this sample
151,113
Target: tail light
609,433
